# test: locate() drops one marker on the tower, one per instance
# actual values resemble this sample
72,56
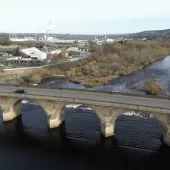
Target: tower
49,28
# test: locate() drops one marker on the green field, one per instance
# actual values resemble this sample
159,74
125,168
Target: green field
10,46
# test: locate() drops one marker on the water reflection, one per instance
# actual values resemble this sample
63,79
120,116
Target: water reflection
139,139
151,134
82,128
34,119
27,143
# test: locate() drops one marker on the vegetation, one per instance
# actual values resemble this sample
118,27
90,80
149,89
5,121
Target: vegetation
24,44
153,88
5,41
10,46
58,57
1,70
109,61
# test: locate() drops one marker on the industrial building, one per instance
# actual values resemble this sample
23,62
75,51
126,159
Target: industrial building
33,54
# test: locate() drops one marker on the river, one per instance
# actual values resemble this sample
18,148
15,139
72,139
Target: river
27,143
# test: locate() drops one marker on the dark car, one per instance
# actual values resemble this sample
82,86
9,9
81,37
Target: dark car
20,91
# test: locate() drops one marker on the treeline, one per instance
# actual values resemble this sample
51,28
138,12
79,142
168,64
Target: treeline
26,44
109,60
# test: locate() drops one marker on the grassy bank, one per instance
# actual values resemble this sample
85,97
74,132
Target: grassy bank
108,62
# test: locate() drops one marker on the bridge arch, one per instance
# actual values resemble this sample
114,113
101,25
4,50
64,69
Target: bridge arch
107,112
53,109
84,118
164,120
12,109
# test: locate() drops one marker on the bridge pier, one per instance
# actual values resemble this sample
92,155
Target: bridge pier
167,138
11,108
107,129
108,116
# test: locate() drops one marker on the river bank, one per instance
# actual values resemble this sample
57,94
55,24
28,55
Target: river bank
108,62
135,83
92,81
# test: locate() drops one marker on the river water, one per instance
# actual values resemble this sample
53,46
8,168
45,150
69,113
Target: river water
27,143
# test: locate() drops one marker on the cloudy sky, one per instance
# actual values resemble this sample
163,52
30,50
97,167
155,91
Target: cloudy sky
84,16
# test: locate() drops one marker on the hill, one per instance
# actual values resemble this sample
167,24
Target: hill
152,34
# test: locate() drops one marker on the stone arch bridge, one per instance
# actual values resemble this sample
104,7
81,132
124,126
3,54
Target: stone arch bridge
107,106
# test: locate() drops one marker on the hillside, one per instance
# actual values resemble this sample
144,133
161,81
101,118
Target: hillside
152,33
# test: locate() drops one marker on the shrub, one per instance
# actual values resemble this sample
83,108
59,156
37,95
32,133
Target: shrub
153,88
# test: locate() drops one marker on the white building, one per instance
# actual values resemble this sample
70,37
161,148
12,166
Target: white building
73,49
14,58
55,52
109,40
33,53
13,37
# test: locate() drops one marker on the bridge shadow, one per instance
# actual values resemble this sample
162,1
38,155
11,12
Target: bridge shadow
139,140
81,127
28,129
80,130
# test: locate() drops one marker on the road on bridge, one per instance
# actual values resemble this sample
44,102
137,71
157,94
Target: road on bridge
94,96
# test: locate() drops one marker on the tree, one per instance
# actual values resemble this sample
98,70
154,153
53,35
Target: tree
92,46
152,87
5,41
57,58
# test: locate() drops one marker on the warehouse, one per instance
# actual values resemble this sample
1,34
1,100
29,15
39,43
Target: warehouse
33,54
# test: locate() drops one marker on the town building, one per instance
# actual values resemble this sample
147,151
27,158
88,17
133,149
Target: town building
33,54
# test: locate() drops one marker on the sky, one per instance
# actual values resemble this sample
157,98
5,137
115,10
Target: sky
84,17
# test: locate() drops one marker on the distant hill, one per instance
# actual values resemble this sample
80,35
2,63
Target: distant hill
147,34
152,33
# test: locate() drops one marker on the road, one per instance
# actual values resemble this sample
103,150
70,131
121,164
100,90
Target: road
94,96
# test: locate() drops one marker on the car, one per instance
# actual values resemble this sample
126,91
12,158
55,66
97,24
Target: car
20,91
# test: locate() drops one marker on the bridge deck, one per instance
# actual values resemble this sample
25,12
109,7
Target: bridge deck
93,96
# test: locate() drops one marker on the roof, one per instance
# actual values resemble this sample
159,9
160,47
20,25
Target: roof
75,49
31,50
55,52
34,53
